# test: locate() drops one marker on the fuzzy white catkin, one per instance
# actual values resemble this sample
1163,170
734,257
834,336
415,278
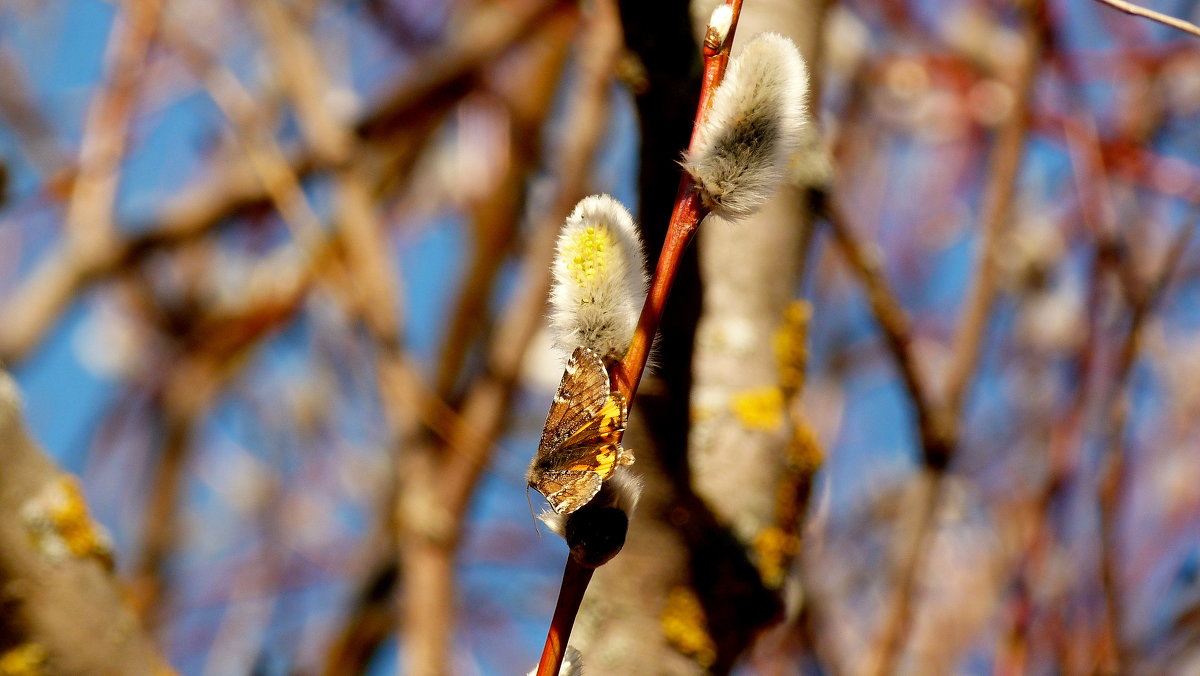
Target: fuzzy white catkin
599,279
753,129
720,22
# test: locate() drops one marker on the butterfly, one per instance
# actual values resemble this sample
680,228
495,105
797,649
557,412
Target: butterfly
581,442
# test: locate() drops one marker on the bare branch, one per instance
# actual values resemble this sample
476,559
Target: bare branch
1114,475
1137,10
60,601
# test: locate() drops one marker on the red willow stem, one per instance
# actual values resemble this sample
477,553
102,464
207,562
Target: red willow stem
685,217
570,596
627,374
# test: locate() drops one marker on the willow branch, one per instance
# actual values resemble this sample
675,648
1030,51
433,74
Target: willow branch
1142,301
685,218
996,215
968,343
1138,10
438,78
932,425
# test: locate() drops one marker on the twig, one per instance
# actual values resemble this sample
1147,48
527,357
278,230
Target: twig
494,218
968,343
431,519
570,596
266,158
492,30
89,217
91,240
438,79
996,213
32,131
1137,10
470,434
685,217
935,432
185,395
1142,301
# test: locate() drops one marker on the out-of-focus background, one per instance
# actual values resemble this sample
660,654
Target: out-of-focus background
272,282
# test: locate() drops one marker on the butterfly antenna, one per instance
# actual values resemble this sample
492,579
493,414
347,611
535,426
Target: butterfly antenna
531,514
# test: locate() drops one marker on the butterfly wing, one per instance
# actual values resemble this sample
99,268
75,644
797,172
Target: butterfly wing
581,443
567,491
581,395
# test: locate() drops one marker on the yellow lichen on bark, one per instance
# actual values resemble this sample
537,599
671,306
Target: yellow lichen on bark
26,659
791,345
686,628
758,408
774,548
59,522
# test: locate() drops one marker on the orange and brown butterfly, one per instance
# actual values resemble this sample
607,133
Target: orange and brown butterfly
581,442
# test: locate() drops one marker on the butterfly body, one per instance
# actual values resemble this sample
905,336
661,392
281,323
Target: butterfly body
581,442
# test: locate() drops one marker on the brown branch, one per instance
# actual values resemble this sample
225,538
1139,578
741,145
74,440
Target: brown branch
89,217
1113,478
148,584
438,79
491,30
570,596
252,131
220,345
296,58
936,433
1137,10
685,218
968,344
1097,211
996,215
60,603
495,216
31,130
421,516
91,234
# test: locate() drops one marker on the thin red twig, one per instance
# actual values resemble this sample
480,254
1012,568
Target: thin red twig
685,218
570,596
1137,10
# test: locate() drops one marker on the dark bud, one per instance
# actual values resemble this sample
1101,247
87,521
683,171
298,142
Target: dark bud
595,534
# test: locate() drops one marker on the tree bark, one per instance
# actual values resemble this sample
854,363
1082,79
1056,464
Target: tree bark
61,609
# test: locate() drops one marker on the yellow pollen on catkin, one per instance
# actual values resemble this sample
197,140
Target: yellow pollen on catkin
588,255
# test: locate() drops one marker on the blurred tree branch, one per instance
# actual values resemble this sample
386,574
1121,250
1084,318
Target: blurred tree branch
1142,298
939,430
1022,438
439,78
61,610
1138,10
